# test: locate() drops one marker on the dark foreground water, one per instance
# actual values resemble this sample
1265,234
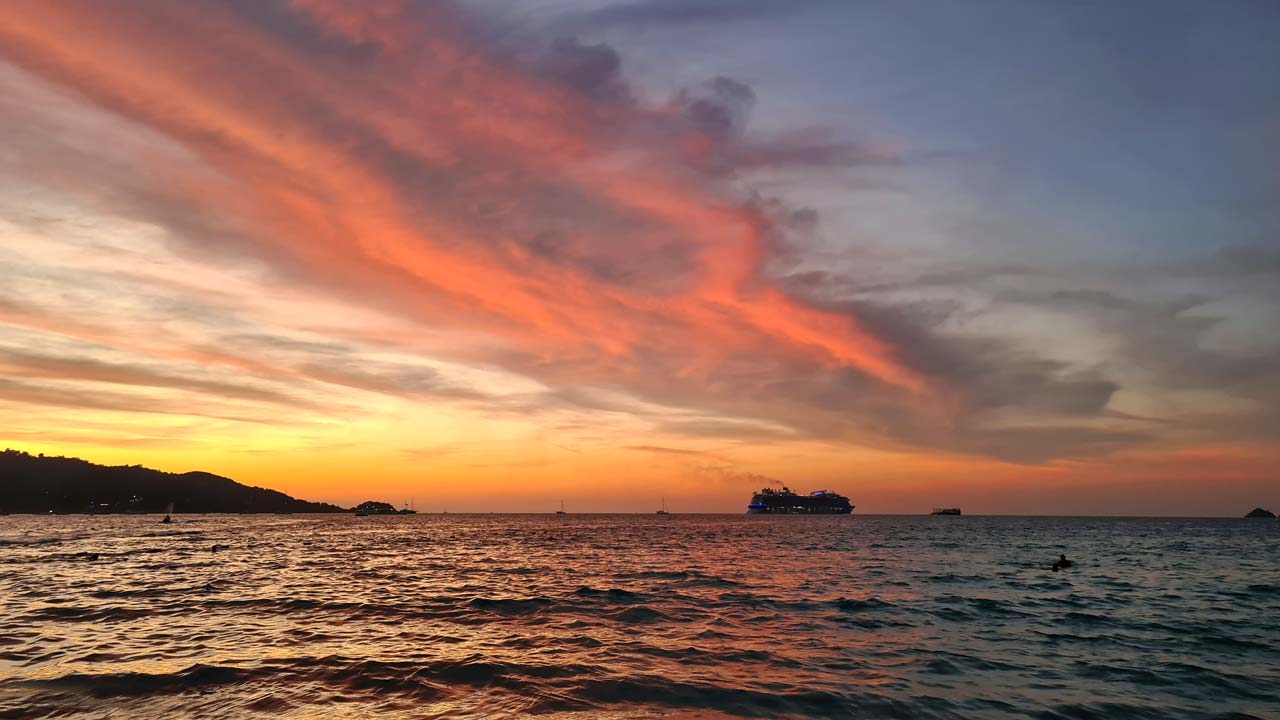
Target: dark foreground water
624,616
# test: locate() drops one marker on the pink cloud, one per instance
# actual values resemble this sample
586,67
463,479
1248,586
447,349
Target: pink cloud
418,174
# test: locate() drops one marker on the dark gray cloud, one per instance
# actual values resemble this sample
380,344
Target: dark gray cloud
31,393
594,70
1160,313
719,109
387,378
1034,445
659,13
263,341
1233,261
661,450
990,372
1166,338
1158,325
813,150
724,429
84,368
771,398
43,152
298,32
90,439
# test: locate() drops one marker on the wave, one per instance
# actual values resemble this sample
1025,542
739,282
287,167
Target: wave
639,615
746,702
1180,678
125,684
509,618
512,606
1120,711
689,577
743,701
613,595
71,613
954,579
951,663
866,605
37,541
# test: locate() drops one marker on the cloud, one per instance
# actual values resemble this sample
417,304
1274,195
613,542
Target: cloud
1242,260
1035,445
398,380
427,218
716,114
808,149
719,110
594,70
726,429
664,450
387,185
28,393
1165,338
15,363
667,13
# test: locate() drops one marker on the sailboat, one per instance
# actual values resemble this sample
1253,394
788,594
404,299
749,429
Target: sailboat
561,510
663,511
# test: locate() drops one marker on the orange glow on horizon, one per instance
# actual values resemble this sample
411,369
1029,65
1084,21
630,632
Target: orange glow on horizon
415,266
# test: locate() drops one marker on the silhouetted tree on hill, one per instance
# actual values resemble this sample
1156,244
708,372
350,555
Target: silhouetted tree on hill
40,484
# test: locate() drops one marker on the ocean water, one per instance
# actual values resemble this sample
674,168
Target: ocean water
637,616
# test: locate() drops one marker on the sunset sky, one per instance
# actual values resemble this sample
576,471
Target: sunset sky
1016,256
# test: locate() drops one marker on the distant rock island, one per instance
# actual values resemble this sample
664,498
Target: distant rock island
1260,513
43,484
373,507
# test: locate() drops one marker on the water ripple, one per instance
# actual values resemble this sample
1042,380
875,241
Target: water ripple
621,616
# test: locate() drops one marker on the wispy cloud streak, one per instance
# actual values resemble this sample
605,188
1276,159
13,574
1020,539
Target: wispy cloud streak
398,201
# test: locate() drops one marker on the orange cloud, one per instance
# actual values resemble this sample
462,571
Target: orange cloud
292,136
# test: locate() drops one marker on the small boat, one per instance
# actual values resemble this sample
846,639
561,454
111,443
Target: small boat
663,511
561,510
945,511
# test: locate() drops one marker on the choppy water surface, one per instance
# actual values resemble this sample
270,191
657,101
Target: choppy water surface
623,616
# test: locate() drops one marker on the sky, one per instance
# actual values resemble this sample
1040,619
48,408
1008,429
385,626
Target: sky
1020,257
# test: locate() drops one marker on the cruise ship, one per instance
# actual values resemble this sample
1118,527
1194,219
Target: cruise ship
786,502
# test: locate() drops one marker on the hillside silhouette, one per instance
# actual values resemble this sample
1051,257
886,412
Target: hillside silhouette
42,484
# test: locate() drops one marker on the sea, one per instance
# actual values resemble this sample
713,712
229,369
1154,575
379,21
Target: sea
628,616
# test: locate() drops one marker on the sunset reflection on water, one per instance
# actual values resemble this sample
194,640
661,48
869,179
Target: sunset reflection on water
620,616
